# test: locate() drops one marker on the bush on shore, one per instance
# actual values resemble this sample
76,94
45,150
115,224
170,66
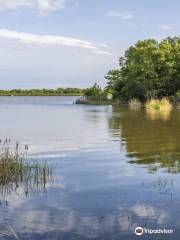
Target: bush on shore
95,96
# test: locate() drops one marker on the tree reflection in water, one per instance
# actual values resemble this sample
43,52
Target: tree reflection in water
149,140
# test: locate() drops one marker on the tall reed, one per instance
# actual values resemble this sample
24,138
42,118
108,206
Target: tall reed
135,104
17,172
158,109
159,104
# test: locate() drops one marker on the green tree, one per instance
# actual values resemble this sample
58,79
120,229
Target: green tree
95,92
148,69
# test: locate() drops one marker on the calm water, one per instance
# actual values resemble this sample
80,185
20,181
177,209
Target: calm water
114,169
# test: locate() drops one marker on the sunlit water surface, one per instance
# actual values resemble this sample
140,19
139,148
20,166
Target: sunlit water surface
113,169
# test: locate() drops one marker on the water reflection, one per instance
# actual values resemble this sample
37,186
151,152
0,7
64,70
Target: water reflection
67,223
96,193
164,114
18,176
164,186
151,140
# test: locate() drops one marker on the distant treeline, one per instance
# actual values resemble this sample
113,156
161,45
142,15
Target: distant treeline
43,92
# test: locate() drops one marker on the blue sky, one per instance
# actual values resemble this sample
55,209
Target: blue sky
62,43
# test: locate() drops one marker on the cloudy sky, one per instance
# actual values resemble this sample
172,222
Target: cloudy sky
61,43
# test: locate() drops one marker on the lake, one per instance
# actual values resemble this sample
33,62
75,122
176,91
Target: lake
114,169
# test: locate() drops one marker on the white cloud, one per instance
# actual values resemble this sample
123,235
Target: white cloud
124,16
53,40
38,5
15,4
24,65
146,211
51,5
165,27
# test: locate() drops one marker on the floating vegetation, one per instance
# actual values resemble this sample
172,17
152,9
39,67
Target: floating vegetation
17,173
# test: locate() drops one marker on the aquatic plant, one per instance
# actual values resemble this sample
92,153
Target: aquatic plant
158,109
17,172
159,104
135,104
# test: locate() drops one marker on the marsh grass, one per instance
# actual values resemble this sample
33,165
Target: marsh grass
159,104
135,104
18,173
158,109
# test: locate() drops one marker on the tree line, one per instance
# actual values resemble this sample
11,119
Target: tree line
43,92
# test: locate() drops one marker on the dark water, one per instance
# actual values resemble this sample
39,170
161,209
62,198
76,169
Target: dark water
114,169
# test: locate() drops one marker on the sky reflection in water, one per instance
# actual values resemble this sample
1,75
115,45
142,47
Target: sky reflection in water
115,169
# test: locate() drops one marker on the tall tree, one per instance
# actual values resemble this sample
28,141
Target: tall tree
148,69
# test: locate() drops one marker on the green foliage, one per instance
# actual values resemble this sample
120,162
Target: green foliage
95,92
43,92
149,69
